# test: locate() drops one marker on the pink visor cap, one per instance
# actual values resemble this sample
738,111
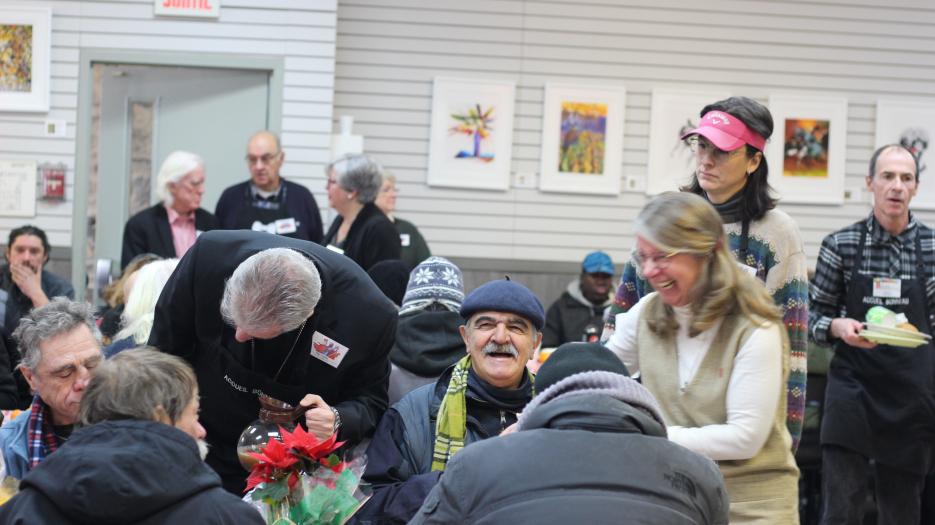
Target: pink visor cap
726,132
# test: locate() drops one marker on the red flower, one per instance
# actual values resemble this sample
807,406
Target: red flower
276,455
308,445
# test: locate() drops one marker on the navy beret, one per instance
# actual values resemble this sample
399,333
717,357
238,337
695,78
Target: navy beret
504,296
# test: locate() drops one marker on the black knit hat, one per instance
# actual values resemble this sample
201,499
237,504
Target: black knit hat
572,358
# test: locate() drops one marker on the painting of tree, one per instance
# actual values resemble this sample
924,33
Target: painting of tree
474,123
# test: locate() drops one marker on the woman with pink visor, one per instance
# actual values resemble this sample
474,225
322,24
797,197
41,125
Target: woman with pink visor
731,174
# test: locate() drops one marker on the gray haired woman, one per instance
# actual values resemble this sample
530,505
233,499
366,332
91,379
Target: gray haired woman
360,231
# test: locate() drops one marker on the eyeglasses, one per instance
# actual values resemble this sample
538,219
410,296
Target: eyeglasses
700,146
330,182
264,159
659,260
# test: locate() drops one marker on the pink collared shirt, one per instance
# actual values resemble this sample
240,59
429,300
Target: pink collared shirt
183,230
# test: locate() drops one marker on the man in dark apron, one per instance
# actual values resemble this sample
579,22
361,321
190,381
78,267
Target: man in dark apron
276,337
267,202
880,399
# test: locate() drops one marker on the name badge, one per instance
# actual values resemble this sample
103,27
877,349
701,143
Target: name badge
749,269
886,287
404,239
335,249
258,226
327,349
284,226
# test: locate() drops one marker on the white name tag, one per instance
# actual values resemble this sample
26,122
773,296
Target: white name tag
404,239
327,349
284,226
886,287
335,249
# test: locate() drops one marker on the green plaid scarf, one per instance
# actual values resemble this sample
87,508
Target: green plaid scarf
452,416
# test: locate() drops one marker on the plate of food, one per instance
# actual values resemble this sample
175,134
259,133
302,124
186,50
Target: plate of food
893,340
900,330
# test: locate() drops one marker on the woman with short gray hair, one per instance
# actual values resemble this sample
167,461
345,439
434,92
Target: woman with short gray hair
360,231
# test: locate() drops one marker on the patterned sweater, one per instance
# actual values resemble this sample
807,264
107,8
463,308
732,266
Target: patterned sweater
775,249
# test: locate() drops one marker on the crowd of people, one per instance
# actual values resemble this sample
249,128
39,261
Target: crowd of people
678,399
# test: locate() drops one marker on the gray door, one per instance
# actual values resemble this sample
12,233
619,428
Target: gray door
147,112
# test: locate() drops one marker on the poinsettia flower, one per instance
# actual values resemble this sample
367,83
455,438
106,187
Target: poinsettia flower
276,455
259,474
308,444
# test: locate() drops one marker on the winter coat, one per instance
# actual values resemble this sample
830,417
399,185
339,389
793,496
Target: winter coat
568,316
121,472
371,239
149,231
427,343
588,458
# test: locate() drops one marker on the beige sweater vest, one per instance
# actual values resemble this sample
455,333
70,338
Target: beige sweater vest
762,489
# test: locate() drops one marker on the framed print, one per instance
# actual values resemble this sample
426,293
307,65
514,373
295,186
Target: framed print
25,47
806,151
582,139
471,138
17,188
912,124
673,113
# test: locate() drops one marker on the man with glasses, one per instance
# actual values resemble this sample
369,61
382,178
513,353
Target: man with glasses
267,202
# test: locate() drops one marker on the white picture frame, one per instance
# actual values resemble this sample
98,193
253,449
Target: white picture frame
568,166
806,153
18,188
459,155
671,161
26,33
911,123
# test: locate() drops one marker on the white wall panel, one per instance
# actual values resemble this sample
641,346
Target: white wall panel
388,52
301,31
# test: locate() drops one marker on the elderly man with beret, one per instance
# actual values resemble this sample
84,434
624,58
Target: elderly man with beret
477,398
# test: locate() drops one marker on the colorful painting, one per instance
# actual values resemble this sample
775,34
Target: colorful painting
805,150
15,57
471,137
25,50
584,132
582,139
475,123
809,143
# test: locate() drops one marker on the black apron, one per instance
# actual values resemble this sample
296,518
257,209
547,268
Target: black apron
880,402
266,211
229,380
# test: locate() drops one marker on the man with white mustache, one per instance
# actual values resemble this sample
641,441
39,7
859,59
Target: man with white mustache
880,398
475,399
138,457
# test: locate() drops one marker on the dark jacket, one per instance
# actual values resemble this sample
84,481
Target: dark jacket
149,232
15,304
569,315
586,458
371,239
400,454
413,245
427,343
352,313
234,210
120,472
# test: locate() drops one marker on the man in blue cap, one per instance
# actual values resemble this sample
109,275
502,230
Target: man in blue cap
578,314
476,398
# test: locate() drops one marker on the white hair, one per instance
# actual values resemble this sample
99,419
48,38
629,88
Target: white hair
275,288
176,166
139,311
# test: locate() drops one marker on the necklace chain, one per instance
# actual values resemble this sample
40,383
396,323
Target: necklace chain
284,361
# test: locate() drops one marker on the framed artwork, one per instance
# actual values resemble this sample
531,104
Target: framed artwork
806,151
912,124
673,112
17,188
471,140
582,139
25,47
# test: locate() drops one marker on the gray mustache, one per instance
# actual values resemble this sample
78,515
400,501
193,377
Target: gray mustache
494,348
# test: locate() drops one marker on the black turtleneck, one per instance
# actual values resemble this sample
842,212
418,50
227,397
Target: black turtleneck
730,210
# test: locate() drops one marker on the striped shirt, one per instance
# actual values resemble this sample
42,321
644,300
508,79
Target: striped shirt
884,255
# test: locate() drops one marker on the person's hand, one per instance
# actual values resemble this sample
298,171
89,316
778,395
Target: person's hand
29,282
510,429
319,418
847,330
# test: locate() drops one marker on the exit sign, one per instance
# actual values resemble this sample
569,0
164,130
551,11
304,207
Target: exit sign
201,8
